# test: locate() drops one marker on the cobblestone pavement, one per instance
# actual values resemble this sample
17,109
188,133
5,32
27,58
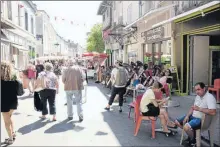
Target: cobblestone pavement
99,128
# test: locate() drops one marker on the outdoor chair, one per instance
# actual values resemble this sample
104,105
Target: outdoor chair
158,95
216,88
139,117
207,124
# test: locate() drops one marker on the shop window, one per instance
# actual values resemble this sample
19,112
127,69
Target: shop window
166,52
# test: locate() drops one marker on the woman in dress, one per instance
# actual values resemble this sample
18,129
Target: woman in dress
9,101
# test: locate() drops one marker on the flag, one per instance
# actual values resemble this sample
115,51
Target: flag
21,6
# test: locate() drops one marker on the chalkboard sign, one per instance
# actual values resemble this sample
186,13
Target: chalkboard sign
175,82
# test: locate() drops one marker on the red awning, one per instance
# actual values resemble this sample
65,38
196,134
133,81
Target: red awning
87,54
103,55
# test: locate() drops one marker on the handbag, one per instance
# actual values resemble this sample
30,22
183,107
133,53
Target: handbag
40,84
20,90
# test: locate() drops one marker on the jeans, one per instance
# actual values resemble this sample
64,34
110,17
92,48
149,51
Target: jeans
77,96
48,95
116,90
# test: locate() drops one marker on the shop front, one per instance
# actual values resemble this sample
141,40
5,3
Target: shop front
197,46
155,43
158,46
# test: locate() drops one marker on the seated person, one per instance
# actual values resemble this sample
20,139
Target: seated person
204,103
150,107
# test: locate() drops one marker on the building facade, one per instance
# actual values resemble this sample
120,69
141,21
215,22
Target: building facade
167,32
21,45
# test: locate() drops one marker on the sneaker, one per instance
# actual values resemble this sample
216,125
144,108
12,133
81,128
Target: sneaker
80,118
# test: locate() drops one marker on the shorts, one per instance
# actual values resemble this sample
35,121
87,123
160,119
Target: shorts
153,111
194,123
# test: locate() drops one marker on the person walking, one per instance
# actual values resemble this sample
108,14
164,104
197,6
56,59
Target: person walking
50,91
31,77
73,78
37,101
119,78
9,101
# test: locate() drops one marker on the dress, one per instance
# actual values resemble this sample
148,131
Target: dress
9,95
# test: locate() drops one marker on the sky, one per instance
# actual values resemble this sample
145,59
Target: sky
79,12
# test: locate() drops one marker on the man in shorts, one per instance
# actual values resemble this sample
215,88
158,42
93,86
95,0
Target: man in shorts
205,103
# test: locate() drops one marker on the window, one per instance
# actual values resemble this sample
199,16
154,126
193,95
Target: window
19,15
9,10
26,21
32,25
129,14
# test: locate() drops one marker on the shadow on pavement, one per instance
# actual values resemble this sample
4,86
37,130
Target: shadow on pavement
100,133
63,126
78,128
31,127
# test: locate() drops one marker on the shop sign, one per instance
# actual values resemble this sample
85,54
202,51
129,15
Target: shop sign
154,35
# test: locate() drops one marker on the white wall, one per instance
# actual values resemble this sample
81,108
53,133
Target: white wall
130,11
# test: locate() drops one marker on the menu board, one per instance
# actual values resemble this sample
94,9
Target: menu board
175,82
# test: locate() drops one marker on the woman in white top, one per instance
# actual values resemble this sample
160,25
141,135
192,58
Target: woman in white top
149,106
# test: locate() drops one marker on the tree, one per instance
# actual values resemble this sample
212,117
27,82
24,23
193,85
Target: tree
95,41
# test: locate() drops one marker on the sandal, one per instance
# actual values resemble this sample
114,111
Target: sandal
9,141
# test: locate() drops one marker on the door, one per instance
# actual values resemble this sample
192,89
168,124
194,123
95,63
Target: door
199,61
214,66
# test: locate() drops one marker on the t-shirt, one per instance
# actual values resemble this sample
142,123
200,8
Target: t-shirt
207,101
50,79
146,99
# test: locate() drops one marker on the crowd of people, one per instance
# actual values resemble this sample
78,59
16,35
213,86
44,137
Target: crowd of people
44,81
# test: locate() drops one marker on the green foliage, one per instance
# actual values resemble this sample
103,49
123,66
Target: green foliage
95,42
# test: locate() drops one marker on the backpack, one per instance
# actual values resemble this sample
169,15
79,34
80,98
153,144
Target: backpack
121,77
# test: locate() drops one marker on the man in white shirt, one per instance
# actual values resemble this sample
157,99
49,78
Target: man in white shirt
204,103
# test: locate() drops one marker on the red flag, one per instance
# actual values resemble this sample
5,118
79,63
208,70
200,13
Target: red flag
21,6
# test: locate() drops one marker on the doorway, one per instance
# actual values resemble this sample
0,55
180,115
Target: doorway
214,65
